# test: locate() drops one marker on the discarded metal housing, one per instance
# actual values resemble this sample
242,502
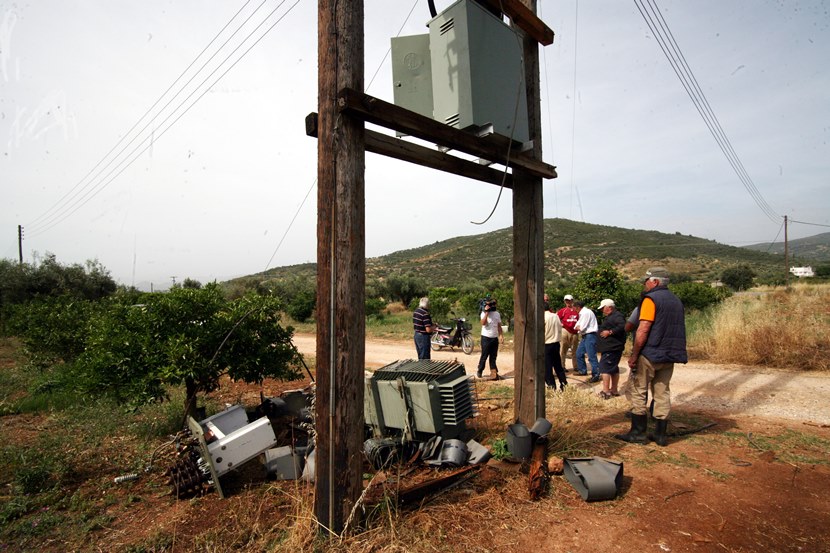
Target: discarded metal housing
595,478
419,398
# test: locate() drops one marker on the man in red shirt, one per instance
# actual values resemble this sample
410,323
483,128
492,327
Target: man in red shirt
570,338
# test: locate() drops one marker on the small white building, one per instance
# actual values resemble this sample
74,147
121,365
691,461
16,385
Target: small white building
802,271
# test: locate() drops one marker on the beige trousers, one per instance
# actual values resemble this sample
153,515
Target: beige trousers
568,342
654,377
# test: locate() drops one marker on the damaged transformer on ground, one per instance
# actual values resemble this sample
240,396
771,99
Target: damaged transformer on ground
414,410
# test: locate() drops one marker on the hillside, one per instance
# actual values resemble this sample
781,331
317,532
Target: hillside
570,248
810,249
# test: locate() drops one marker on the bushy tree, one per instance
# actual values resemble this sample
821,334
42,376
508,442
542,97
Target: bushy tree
190,337
599,282
375,307
21,283
53,328
823,271
405,287
739,277
604,281
697,295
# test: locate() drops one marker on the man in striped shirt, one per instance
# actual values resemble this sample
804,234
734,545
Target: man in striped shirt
422,322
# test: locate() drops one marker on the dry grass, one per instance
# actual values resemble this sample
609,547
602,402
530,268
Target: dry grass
442,525
775,327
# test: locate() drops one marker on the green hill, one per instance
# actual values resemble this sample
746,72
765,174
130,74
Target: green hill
806,250
570,248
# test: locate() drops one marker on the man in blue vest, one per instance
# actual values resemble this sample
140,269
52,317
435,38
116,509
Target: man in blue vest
660,342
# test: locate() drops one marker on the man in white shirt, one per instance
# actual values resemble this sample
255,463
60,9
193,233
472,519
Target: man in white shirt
587,327
553,362
491,335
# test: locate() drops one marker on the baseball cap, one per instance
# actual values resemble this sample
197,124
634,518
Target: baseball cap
606,303
568,297
659,272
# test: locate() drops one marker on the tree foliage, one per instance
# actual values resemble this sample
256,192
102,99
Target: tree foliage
405,287
697,295
193,336
739,277
604,281
21,283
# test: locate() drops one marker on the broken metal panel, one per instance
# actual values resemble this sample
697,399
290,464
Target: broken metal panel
241,445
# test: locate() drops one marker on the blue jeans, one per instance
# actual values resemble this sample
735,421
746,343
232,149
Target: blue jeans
587,344
422,345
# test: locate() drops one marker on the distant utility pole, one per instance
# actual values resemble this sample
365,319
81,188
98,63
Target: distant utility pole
786,255
20,242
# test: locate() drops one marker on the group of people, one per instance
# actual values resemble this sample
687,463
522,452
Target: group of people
658,324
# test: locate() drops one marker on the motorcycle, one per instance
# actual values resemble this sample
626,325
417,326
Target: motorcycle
443,337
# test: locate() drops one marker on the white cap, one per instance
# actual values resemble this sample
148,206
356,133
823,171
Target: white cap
606,303
568,297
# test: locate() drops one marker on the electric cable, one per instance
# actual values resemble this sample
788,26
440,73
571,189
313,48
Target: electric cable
574,190
101,184
550,120
806,223
125,135
512,126
771,244
372,80
405,21
708,109
672,52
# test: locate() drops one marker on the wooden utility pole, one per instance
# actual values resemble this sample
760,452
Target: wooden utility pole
20,242
786,255
341,239
528,256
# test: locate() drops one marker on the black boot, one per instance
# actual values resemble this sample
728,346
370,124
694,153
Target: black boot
637,434
659,436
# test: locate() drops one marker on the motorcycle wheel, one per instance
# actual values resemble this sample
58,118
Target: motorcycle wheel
467,344
436,342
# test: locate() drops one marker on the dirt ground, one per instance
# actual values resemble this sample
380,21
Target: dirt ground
757,481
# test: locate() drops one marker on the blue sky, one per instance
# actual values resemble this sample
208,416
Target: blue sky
213,196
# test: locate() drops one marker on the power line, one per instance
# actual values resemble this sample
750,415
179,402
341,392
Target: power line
673,53
806,223
34,222
372,80
69,210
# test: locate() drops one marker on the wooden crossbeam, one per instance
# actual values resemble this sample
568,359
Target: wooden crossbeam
493,148
524,18
415,153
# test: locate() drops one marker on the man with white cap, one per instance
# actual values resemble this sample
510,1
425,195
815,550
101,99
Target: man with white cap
570,337
610,346
660,342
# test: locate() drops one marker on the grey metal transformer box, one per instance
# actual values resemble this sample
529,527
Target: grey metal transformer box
477,78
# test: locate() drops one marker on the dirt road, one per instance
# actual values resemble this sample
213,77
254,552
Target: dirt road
729,389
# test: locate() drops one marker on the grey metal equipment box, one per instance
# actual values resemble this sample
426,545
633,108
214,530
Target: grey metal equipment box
412,74
476,72
419,398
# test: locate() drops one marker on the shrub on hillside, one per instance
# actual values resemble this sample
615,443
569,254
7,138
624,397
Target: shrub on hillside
697,295
739,277
53,329
405,287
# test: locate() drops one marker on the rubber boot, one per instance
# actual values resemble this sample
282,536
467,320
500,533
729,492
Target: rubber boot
637,434
659,436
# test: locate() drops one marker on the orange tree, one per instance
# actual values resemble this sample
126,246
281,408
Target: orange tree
188,337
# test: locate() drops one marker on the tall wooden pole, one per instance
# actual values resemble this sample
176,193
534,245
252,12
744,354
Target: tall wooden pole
341,240
528,257
786,255
20,243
